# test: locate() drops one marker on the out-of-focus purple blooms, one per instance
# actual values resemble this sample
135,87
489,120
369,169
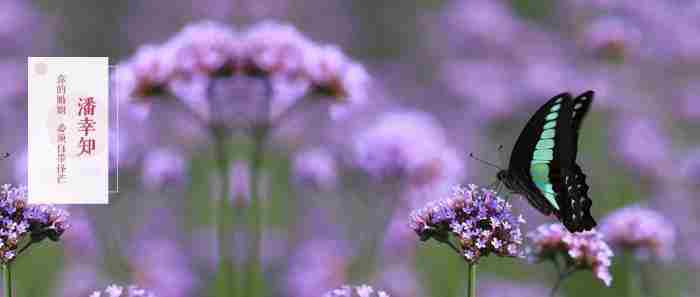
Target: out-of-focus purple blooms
204,48
186,64
81,244
640,143
586,250
19,16
481,222
78,280
401,280
163,167
508,288
388,149
317,265
315,168
612,37
161,265
352,291
19,219
641,230
146,73
119,291
487,84
483,23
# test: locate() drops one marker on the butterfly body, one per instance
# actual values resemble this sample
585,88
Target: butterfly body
543,162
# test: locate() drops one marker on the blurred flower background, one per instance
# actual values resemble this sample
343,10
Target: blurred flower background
369,110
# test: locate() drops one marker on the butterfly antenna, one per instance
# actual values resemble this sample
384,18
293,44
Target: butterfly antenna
471,155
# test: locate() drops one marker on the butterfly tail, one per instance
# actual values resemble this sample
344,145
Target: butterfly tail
577,216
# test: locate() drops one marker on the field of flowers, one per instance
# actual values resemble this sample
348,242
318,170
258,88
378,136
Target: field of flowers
320,148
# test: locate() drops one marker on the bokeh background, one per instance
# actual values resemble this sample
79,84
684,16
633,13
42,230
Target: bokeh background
446,78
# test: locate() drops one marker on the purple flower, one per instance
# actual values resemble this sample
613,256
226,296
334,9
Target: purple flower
612,37
388,149
641,144
18,219
467,216
294,66
642,230
586,250
315,168
78,280
119,291
401,280
163,167
316,265
359,291
163,266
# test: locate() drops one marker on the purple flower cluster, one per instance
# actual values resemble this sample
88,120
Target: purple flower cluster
119,291
360,291
583,250
163,167
388,149
479,220
317,264
642,230
19,219
206,50
315,168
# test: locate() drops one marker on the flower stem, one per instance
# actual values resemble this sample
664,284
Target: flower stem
7,280
254,272
472,281
223,217
562,274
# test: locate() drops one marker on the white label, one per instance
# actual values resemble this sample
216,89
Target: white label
68,158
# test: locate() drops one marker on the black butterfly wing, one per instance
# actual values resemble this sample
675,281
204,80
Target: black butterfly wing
577,216
522,156
581,104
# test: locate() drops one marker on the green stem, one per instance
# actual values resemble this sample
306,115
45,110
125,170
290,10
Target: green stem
562,274
472,281
7,280
635,285
223,216
254,272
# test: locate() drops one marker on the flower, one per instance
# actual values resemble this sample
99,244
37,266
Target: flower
388,149
187,64
19,219
468,216
163,167
641,143
612,37
642,230
360,291
119,291
317,264
582,250
315,168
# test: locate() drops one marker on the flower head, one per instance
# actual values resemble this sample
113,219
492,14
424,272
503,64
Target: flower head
360,291
315,168
19,219
642,230
388,149
583,250
469,216
119,291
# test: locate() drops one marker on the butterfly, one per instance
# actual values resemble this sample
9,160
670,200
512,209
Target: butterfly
543,165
